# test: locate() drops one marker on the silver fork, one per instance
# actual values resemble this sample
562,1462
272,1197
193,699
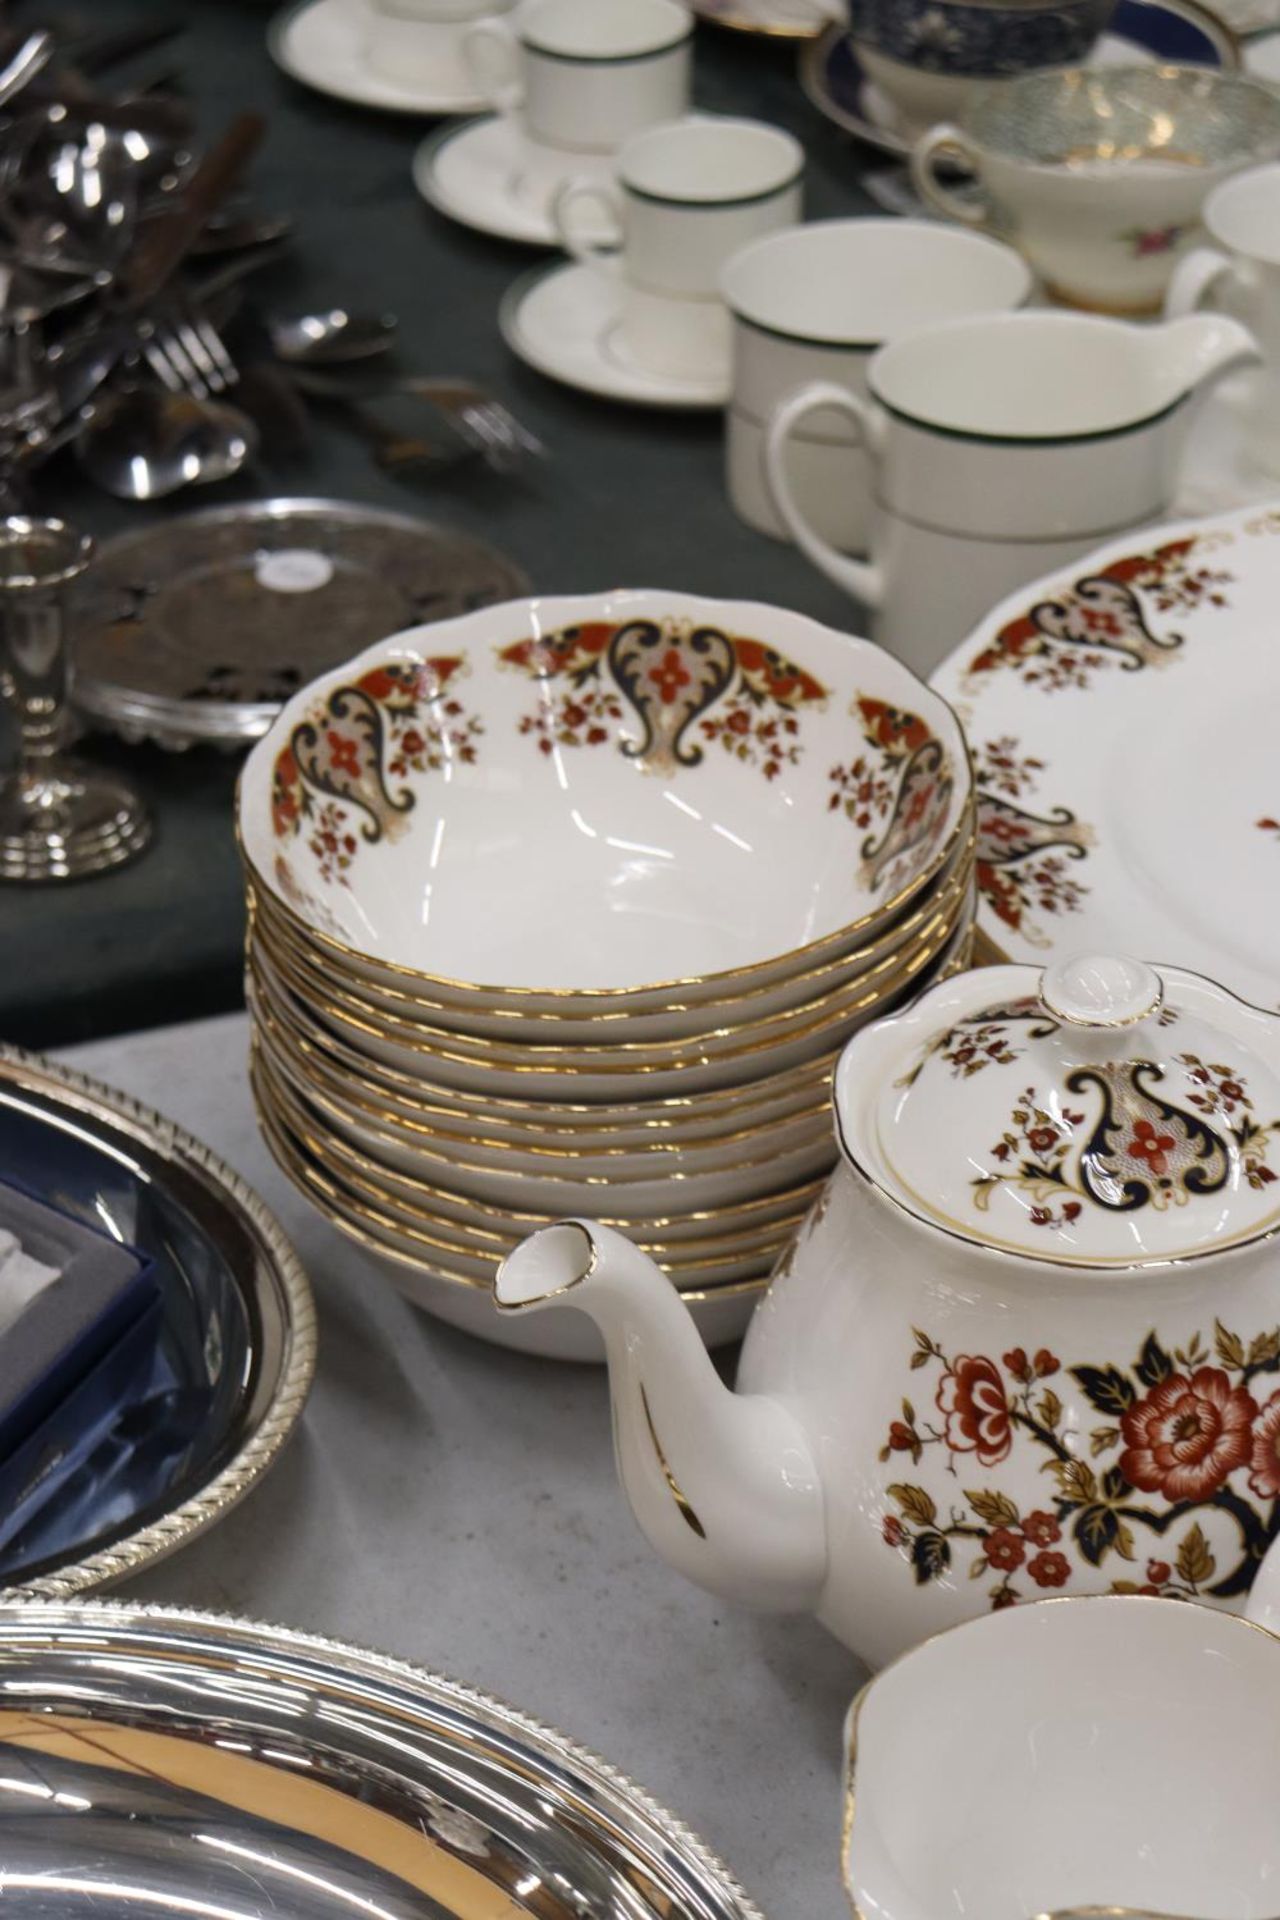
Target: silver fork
186,353
486,422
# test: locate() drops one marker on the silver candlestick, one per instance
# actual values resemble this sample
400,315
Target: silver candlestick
60,819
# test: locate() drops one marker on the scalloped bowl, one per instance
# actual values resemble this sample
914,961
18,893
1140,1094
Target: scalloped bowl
592,795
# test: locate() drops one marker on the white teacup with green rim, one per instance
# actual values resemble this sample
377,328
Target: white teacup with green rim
576,78
687,197
1239,273
1098,174
423,42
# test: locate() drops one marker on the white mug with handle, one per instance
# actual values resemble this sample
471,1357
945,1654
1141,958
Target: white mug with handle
1240,274
686,198
575,78
1002,448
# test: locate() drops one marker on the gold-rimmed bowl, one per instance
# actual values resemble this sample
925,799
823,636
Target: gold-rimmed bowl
514,1024
460,1292
773,1159
662,792
491,1226
365,1115
552,1073
705,1116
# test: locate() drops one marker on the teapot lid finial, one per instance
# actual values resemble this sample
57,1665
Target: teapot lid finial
1101,990
1099,1112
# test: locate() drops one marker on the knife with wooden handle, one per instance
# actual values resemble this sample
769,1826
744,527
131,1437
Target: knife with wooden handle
163,242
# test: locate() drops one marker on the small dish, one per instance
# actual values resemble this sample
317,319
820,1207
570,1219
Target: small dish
767,19
563,321
320,43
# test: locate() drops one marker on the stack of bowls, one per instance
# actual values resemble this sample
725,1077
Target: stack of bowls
579,798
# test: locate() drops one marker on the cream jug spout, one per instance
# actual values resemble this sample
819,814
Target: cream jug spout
1200,348
724,1485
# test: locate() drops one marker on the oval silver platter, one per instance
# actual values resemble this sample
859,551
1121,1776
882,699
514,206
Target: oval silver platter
237,1349
155,1762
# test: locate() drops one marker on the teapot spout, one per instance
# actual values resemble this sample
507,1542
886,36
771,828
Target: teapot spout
723,1485
1198,349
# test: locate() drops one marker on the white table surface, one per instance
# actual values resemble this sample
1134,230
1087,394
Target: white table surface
456,1505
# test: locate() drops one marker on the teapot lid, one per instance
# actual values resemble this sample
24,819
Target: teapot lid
1099,1112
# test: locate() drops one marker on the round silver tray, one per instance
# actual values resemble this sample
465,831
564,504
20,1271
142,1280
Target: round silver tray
160,1761
237,1349
196,630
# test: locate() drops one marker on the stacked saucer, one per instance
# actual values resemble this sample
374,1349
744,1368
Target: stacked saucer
580,798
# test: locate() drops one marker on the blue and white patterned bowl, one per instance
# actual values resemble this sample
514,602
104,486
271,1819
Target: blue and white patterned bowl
924,54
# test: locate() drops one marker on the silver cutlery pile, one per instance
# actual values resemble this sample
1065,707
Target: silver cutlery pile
123,258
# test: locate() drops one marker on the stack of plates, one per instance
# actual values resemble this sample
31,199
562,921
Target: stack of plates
579,798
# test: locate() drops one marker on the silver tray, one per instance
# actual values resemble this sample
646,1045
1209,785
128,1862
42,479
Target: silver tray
238,1342
155,1761
196,630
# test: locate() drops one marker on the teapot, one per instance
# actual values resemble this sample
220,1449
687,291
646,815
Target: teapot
1026,1344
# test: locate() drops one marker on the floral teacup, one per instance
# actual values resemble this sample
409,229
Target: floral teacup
1098,174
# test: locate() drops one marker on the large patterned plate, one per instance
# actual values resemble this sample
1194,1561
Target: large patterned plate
1123,718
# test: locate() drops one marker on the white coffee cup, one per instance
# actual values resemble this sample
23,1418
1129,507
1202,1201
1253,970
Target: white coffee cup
1003,447
814,303
423,42
688,197
1240,274
576,78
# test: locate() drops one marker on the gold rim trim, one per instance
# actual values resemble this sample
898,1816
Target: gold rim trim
547,1116
327,1110
945,899
367,1227
436,1044
483,1242
552,1293
204,1508
316,1078
687,1513
964,828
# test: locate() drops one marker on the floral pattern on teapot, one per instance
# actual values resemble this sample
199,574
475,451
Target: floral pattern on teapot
1182,1481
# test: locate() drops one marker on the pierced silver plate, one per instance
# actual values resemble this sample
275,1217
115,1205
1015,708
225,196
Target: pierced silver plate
196,630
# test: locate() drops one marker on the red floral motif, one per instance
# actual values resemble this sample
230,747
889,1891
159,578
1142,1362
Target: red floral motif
1269,826
1176,1430
1006,1550
1101,621
897,793
669,675
1187,1435
1149,1145
1145,241
971,1395
752,713
1049,1569
331,779
1264,1461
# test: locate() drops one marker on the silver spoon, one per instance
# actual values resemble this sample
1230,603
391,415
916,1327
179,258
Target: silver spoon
31,58
328,339
144,443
